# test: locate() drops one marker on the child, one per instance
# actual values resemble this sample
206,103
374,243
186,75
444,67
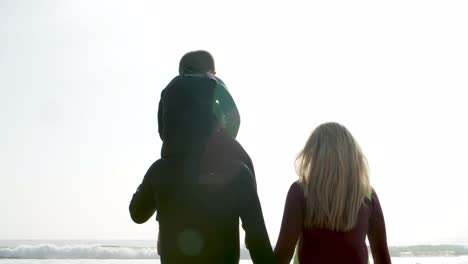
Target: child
197,114
196,111
332,208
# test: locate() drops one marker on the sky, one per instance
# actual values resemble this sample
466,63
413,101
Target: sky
80,83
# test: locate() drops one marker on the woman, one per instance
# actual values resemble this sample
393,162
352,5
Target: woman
332,207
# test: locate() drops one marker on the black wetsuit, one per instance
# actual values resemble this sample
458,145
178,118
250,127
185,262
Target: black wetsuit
191,106
199,203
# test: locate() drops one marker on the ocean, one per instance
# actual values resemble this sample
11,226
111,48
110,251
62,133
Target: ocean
144,252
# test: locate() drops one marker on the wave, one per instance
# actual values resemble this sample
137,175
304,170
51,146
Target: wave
96,251
50,251
428,251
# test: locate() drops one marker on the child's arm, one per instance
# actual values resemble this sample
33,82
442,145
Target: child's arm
291,225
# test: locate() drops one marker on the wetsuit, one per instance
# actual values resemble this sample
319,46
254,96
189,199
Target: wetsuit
196,109
320,245
199,201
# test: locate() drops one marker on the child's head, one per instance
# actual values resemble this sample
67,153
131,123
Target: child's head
199,61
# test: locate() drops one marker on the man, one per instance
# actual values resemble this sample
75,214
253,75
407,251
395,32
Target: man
204,181
199,201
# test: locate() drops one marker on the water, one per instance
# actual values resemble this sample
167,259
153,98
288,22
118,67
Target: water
397,260
144,252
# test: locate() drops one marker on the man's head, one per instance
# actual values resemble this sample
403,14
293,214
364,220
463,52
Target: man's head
199,61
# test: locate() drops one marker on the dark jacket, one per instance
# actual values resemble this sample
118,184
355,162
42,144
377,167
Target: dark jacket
192,106
199,204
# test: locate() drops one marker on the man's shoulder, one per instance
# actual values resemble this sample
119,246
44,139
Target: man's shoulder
162,167
159,165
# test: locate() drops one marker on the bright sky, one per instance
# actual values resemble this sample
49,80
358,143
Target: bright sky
80,84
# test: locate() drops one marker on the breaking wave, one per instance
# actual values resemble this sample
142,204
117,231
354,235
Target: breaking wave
50,251
97,251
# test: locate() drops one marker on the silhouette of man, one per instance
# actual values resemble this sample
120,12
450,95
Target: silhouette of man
199,200
204,181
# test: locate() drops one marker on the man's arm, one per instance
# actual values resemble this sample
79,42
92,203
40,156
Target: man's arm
142,206
252,218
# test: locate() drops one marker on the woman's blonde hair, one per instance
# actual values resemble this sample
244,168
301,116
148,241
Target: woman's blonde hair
333,172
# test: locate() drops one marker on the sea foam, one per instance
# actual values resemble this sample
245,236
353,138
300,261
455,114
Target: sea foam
51,251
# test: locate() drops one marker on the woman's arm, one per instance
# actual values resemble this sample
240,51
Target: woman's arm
291,226
377,233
